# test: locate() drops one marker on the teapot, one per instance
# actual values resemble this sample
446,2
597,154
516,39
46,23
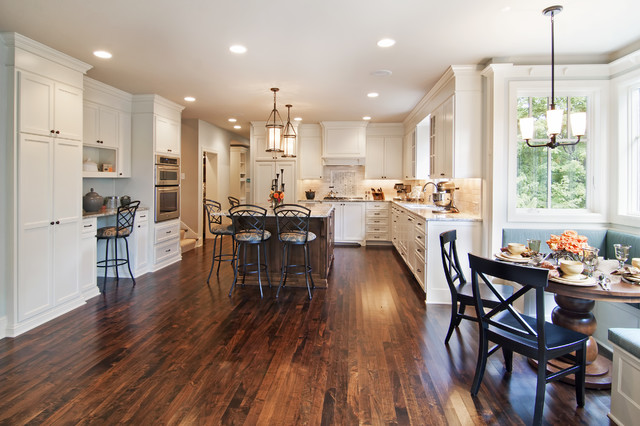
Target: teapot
92,201
310,194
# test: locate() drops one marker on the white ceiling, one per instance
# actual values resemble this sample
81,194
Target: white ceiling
320,53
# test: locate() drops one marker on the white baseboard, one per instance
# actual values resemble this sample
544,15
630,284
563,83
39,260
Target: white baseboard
13,330
3,327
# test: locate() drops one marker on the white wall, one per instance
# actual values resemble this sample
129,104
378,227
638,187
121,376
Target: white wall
6,137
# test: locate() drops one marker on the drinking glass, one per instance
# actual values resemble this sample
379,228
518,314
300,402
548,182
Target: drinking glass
533,245
622,253
590,259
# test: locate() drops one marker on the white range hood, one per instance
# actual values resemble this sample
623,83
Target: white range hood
344,143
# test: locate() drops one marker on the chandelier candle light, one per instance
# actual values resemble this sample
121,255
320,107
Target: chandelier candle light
554,116
274,128
289,136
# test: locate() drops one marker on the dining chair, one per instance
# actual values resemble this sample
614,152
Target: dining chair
125,217
292,222
219,226
233,201
461,292
249,230
530,336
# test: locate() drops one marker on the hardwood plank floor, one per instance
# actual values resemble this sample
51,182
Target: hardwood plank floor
172,350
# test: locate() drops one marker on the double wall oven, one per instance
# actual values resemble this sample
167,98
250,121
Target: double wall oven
167,179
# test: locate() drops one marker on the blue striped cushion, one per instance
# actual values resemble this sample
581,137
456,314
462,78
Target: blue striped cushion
296,237
252,237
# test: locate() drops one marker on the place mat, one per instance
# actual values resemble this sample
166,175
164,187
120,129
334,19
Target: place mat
586,282
514,259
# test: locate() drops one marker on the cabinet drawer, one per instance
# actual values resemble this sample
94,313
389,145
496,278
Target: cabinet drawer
142,216
377,236
377,213
89,226
167,250
167,232
377,206
377,221
378,228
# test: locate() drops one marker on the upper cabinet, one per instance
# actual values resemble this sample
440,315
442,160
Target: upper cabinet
310,152
48,107
167,135
106,129
452,112
344,142
384,151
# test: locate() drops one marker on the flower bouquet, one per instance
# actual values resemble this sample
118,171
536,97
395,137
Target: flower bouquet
569,245
276,197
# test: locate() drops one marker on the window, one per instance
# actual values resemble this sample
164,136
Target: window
551,178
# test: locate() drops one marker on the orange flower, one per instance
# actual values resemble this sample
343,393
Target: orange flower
569,241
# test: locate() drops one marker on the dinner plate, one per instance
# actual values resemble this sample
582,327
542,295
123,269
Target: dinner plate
583,282
634,278
511,258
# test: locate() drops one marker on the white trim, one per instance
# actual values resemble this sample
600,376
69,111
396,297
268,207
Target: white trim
597,92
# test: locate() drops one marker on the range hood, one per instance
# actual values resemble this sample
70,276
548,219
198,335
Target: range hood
344,143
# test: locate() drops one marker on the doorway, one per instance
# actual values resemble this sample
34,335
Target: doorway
209,187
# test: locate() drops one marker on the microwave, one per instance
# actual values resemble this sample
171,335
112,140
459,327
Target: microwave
167,171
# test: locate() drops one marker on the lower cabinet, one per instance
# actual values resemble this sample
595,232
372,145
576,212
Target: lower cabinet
377,221
139,244
349,222
88,258
166,243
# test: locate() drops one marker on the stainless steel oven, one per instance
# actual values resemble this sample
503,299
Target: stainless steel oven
167,202
167,170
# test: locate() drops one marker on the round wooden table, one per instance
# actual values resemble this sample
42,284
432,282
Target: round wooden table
574,311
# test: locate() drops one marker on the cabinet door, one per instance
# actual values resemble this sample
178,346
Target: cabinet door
108,133
68,112
374,166
35,104
409,154
167,135
265,172
353,222
139,244
123,165
88,258
392,157
310,158
445,147
338,209
66,260
90,124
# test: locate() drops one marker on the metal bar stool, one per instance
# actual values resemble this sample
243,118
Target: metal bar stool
293,230
219,226
233,201
249,229
123,228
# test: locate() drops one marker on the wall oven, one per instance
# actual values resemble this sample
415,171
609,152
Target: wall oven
167,196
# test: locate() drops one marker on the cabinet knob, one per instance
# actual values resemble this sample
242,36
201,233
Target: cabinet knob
51,223
52,131
168,150
57,222
57,132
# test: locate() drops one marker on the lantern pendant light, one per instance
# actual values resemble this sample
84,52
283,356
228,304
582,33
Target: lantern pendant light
289,136
554,116
274,128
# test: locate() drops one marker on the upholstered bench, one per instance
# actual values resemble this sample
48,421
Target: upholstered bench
625,394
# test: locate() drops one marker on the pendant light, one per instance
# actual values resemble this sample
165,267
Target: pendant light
289,136
274,128
554,116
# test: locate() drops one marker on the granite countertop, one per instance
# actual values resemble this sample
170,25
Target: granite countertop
426,212
317,209
107,212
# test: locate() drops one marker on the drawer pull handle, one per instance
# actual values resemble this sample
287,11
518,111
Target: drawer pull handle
167,250
88,226
168,232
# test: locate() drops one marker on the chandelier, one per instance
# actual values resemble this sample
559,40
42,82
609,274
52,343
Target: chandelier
274,128
289,136
554,116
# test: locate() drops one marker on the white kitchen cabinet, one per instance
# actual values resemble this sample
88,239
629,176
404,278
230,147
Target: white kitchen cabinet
383,157
166,242
167,135
310,152
441,141
49,217
416,153
139,244
377,221
349,222
344,142
238,165
88,258
48,107
265,172
100,125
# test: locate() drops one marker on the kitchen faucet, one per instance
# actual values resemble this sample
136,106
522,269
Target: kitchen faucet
424,187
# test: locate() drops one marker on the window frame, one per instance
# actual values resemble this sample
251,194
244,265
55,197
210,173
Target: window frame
595,211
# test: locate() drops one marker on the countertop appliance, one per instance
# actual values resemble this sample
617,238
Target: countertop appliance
443,197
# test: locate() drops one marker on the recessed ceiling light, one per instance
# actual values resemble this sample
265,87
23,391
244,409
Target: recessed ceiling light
189,99
297,119
366,117
237,126
232,120
237,48
381,73
386,42
102,54
373,95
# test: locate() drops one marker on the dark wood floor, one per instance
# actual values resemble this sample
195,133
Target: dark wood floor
173,350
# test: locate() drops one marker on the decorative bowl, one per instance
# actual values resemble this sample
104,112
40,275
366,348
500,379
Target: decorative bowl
571,267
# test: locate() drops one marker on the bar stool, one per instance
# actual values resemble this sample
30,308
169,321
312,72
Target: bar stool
219,226
249,229
293,230
233,201
122,229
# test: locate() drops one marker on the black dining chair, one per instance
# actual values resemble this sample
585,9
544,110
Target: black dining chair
461,292
249,230
233,201
125,217
219,226
293,230
530,336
